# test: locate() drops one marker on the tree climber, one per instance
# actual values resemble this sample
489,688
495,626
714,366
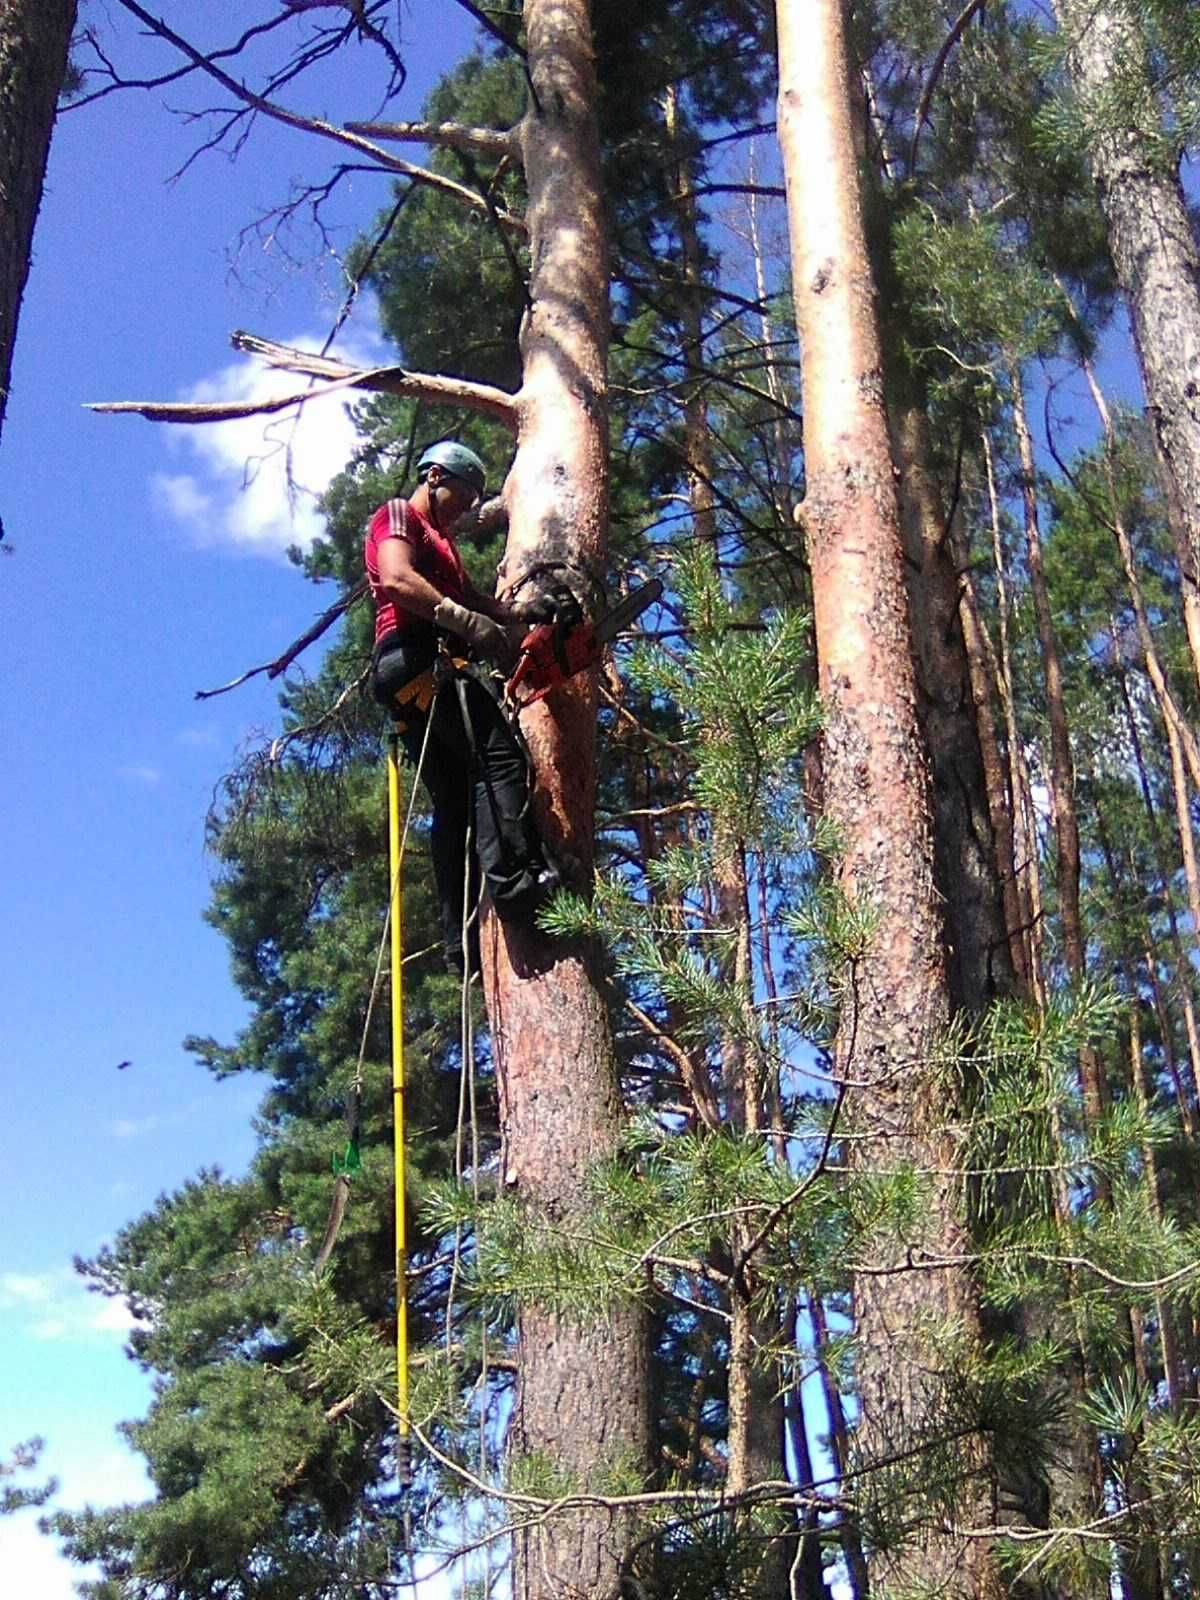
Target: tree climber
474,770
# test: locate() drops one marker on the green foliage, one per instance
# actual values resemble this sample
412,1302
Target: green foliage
18,1496
976,300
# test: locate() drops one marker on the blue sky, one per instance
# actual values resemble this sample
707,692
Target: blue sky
140,572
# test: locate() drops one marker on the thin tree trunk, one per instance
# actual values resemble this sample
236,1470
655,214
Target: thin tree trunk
35,36
876,775
1183,964
965,855
583,1401
1000,800
1177,726
1062,765
839,1446
1154,252
756,1416
807,1578
1173,1369
1027,864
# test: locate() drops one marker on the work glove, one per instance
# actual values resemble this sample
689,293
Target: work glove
485,638
555,604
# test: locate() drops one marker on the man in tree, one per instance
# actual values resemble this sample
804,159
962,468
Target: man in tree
452,727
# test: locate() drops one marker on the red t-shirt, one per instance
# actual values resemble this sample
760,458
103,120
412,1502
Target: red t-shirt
434,556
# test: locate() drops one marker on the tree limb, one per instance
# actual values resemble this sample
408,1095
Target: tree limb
935,73
431,387
283,662
445,135
317,125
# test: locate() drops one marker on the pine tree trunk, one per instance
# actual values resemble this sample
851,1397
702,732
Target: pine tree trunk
965,855
876,776
1154,252
807,1576
1183,963
583,1400
1062,765
34,38
1001,805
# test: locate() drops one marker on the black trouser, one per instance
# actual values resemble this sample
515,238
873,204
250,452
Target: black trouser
487,788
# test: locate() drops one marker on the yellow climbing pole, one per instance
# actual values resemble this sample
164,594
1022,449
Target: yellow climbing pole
396,856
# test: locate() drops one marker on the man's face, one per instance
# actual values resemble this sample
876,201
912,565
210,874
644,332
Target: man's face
452,497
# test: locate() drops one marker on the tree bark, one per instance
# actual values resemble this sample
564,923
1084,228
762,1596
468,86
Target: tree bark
1026,863
35,36
966,861
1062,764
876,779
583,1400
839,1448
1001,801
1154,252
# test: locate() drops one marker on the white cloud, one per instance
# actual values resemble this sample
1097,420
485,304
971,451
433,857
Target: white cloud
53,1306
140,773
50,1328
182,496
17,1288
133,1127
114,1316
31,1562
255,481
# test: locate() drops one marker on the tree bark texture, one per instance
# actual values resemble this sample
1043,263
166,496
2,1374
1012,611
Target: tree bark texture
966,863
1001,802
35,36
583,1401
1062,763
1154,252
876,785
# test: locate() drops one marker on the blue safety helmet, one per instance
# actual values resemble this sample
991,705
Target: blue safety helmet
455,459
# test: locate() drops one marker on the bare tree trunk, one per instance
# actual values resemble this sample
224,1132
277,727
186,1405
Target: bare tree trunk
1027,865
1154,252
1183,962
35,36
1062,765
839,1446
876,775
1001,801
965,856
583,1402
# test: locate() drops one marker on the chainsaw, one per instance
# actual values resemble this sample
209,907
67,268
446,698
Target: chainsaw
552,652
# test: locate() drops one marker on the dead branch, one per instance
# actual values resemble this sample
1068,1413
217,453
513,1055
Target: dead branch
935,73
283,662
489,25
445,135
433,388
280,746
315,125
